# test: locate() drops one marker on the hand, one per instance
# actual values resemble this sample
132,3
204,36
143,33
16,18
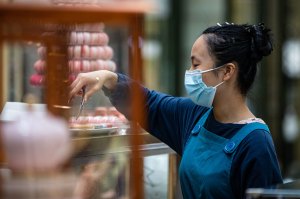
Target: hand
93,81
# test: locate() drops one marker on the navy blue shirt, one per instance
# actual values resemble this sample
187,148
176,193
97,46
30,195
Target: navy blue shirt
171,119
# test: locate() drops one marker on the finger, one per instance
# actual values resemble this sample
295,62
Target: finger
75,82
72,93
76,89
70,100
72,97
90,92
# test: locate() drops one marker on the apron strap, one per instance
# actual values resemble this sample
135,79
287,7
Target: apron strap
200,123
198,126
232,144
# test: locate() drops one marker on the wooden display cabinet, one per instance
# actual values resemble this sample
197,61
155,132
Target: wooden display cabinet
23,23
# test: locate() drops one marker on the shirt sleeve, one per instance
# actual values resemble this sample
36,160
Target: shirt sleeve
255,164
168,118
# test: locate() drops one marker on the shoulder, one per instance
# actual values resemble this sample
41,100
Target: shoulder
257,153
258,137
256,144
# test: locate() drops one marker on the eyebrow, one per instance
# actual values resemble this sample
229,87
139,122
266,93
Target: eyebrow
194,58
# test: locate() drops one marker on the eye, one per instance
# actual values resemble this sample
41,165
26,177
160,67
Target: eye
194,66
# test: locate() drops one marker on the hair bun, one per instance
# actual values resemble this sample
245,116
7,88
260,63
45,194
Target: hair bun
261,42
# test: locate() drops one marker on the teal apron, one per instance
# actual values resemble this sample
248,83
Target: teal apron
206,161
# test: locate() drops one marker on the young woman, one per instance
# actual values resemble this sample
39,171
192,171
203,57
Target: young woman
225,149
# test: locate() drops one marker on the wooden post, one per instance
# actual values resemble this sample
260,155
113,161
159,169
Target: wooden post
136,181
2,157
56,82
172,176
1,75
136,162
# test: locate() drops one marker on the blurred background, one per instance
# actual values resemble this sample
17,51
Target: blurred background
169,33
275,97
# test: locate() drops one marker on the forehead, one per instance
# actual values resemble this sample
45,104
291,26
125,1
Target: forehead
200,49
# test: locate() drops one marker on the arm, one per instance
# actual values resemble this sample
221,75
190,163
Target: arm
170,119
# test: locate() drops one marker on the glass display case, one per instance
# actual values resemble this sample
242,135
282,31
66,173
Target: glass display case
281,191
44,47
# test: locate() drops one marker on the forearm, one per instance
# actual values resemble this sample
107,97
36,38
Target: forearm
110,80
120,94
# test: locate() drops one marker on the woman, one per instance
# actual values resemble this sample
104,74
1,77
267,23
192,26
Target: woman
225,149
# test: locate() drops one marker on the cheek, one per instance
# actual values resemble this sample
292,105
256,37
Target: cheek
209,79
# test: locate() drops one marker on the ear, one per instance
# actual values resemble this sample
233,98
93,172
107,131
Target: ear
229,69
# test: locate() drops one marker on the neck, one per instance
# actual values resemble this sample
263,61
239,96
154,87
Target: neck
230,108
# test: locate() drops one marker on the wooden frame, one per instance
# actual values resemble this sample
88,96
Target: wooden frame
27,23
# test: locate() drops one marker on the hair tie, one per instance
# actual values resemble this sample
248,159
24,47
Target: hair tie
226,23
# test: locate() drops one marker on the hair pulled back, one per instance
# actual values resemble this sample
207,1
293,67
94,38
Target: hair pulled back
244,44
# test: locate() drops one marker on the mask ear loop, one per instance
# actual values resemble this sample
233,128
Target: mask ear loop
222,81
219,84
212,69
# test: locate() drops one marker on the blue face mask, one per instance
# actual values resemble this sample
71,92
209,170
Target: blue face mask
197,90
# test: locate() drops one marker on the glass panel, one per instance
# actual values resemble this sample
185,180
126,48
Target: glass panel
59,155
90,47
156,170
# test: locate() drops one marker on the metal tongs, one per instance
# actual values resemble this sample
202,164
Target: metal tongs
81,103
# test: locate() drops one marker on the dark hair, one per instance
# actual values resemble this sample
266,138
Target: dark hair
244,44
